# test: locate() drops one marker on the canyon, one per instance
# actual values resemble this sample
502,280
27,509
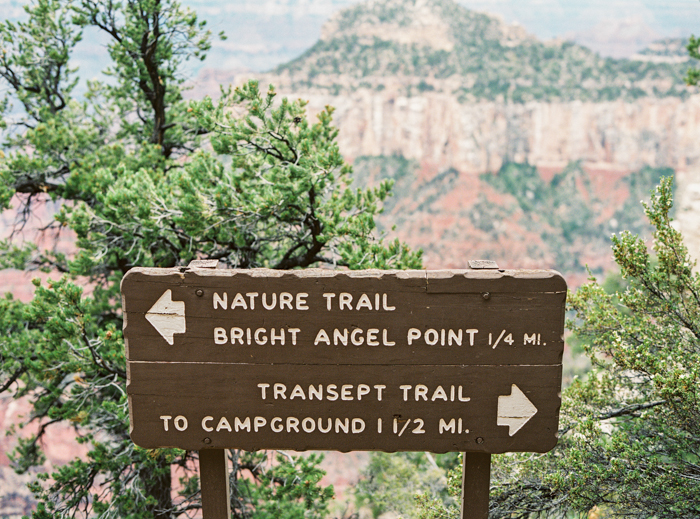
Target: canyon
496,171
459,95
610,140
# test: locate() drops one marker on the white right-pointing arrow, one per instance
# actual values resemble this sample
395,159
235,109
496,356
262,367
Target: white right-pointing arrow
515,410
167,316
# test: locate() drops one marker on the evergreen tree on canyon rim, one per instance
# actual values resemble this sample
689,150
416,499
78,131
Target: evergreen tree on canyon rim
144,178
629,433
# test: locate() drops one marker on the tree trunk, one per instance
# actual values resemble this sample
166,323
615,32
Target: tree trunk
158,485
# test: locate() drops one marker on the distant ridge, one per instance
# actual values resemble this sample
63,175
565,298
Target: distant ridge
438,45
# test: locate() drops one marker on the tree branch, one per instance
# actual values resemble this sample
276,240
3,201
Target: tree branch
631,409
13,379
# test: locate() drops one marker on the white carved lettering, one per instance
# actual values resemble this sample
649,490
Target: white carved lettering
316,393
421,392
385,339
372,337
345,392
260,340
297,392
286,300
344,425
294,332
308,425
236,335
223,424
413,334
165,419
272,304
251,297
238,425
364,302
239,301
379,388
327,429
345,300
446,427
358,425
386,305
322,336
362,390
439,393
220,335
419,426
280,391
276,424
218,301
301,301
331,392
338,337
279,337
259,422
456,337
292,424
329,298
354,337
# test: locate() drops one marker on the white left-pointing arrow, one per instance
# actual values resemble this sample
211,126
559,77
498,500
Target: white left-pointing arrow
515,410
167,316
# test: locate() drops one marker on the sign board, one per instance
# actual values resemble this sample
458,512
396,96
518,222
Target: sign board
462,360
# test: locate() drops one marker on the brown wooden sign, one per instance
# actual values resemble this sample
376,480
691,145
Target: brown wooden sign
370,360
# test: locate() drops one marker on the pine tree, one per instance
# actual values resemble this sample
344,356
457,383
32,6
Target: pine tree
692,76
145,178
629,441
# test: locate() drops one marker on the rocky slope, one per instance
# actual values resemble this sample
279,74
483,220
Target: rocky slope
438,45
500,146
460,94
440,132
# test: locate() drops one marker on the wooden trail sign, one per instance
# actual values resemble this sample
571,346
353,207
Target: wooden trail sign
439,361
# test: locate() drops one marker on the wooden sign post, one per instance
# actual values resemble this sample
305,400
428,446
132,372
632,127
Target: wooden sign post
436,361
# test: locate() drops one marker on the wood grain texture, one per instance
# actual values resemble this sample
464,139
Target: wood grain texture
213,475
478,331
476,477
517,302
196,391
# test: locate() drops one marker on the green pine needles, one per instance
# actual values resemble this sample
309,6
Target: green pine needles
630,430
145,178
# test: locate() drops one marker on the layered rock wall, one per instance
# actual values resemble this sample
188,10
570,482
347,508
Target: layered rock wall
438,130
440,133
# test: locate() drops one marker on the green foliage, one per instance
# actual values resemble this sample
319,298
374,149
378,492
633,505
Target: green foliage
289,488
567,210
391,482
400,171
145,178
34,57
292,198
692,76
563,221
630,432
490,61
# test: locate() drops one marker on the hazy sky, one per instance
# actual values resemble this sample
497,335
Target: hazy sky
265,33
